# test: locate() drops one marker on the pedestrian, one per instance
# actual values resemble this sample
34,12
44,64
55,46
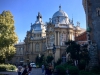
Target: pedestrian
43,69
49,70
19,69
46,70
29,69
25,72
67,71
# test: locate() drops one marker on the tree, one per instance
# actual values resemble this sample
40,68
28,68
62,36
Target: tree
8,37
79,53
49,59
84,57
73,48
40,60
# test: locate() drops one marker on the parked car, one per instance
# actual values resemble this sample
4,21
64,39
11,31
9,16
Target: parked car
33,65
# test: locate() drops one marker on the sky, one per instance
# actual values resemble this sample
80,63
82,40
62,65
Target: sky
25,12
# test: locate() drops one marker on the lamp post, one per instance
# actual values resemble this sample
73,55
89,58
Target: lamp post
54,50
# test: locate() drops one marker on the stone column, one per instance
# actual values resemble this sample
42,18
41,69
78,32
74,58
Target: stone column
32,47
46,41
55,37
58,38
40,46
70,35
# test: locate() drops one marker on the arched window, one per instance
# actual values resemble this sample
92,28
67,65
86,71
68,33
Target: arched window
37,47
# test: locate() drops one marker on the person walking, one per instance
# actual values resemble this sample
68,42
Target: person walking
42,69
50,69
29,69
19,69
25,72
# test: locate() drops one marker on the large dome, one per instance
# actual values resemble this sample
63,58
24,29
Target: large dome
60,16
60,13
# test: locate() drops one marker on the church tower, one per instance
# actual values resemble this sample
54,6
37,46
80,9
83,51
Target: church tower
92,11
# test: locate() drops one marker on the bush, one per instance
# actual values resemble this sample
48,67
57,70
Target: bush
58,62
61,70
73,70
82,64
7,67
96,69
82,72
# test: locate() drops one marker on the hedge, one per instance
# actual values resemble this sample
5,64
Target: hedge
7,67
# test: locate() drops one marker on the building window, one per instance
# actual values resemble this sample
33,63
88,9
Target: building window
34,35
37,47
21,50
40,35
44,46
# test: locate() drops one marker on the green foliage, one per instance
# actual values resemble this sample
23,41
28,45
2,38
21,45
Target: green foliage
79,53
40,60
7,67
84,57
96,69
82,64
73,48
58,62
82,72
73,70
84,54
8,36
49,59
61,70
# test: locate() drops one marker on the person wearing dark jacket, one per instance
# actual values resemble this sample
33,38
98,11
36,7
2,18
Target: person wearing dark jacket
25,72
48,70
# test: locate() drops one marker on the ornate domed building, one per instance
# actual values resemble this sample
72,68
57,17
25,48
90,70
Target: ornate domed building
41,38
60,29
35,42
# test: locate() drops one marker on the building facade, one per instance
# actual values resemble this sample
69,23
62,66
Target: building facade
41,37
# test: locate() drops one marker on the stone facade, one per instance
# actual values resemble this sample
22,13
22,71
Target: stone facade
93,29
20,53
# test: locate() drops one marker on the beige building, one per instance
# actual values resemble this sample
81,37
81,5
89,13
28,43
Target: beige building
41,37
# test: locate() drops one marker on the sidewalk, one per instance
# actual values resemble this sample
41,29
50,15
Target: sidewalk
9,73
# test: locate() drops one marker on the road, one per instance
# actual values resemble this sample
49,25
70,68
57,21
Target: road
35,71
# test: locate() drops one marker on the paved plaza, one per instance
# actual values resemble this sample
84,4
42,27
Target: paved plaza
35,71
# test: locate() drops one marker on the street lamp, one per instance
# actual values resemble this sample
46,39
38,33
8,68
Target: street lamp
54,50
